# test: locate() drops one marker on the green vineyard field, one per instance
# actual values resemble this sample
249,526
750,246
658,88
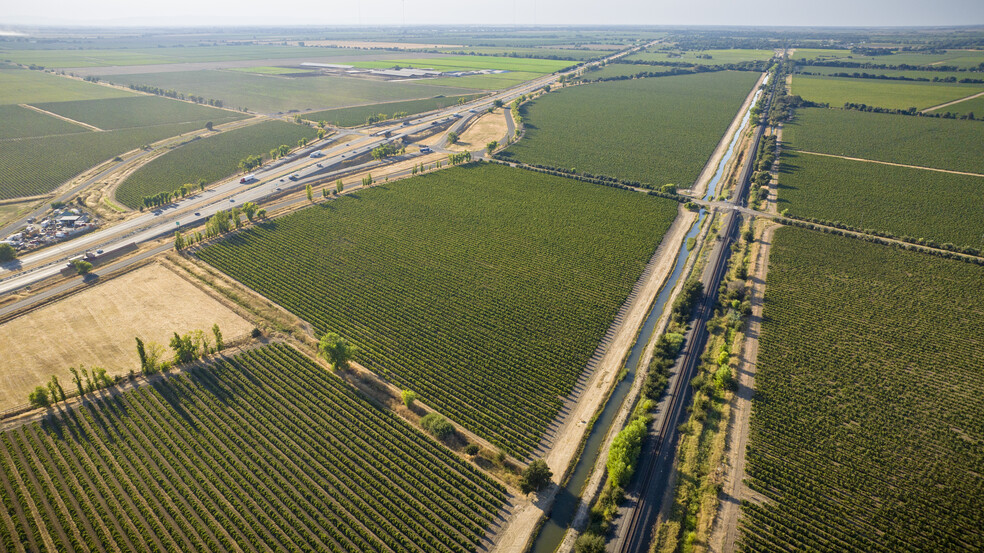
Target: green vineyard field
905,202
33,166
264,451
22,86
922,141
654,131
353,117
138,111
484,289
867,421
20,122
884,94
210,158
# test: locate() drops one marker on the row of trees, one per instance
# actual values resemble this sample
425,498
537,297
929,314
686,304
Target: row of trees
188,347
164,198
168,93
220,223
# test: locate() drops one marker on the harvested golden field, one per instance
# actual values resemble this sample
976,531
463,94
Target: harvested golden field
97,327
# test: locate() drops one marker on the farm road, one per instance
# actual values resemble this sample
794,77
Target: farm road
894,164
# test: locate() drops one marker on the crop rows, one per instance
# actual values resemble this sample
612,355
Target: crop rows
355,116
211,158
654,131
923,141
264,451
21,122
484,289
867,424
137,111
914,203
884,94
21,86
33,166
267,94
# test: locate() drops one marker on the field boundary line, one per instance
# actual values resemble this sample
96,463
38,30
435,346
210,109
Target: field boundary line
893,164
62,117
950,103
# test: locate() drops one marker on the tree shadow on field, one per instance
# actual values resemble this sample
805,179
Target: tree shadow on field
173,397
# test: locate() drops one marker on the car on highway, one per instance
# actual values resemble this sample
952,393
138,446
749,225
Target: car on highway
198,214
233,200
319,165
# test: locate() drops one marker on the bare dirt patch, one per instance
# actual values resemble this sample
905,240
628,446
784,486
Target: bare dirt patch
97,327
725,528
485,129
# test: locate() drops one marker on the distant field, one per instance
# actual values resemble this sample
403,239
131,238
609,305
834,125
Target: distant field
138,111
885,94
268,70
485,289
97,327
559,53
353,117
262,451
905,202
718,57
269,94
21,122
150,56
22,86
625,70
496,81
211,158
654,131
867,418
924,141
910,73
33,166
464,63
964,59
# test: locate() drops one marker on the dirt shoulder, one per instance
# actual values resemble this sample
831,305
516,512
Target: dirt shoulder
485,129
893,164
733,491
700,186
957,101
595,384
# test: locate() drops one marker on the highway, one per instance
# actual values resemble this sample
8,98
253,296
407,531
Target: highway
633,530
273,180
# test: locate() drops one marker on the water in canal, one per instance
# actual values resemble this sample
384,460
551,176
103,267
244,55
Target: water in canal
565,505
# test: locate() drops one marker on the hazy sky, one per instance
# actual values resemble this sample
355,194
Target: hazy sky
587,12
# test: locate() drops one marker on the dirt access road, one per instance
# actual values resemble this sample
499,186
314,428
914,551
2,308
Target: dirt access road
595,385
725,529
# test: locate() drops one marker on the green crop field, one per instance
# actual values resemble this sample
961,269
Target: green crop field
138,111
353,117
550,53
964,59
484,289
494,81
268,94
867,420
908,73
19,122
973,106
33,166
923,141
21,86
718,57
654,131
471,63
625,70
884,94
906,202
185,54
210,158
264,451
269,70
